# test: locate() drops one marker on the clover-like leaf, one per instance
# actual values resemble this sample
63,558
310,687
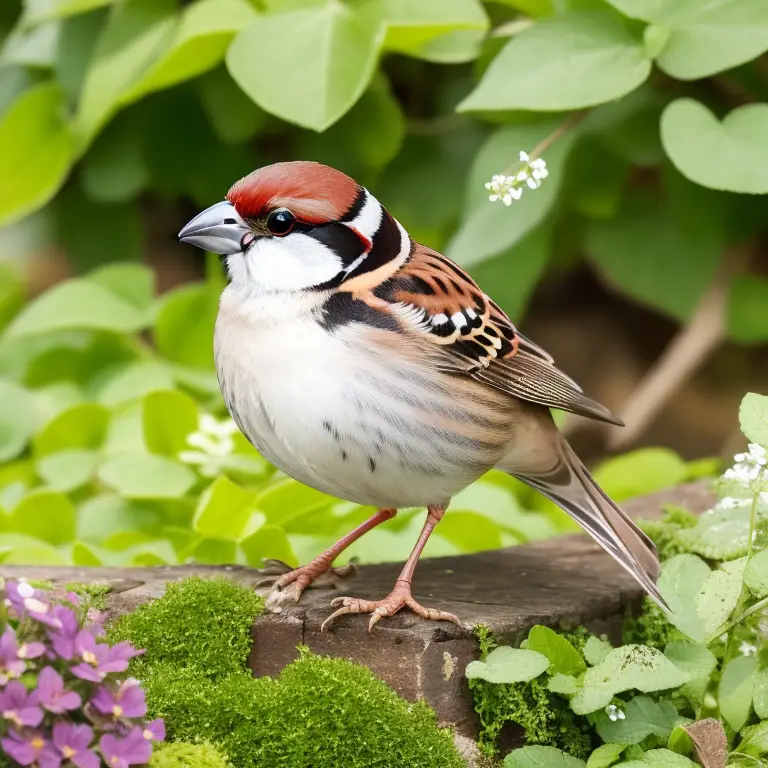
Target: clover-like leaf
642,717
80,427
17,419
146,476
736,690
595,650
605,755
46,515
168,417
721,533
508,665
535,756
226,511
563,657
660,758
753,418
566,685
332,58
681,579
717,598
699,662
582,59
730,155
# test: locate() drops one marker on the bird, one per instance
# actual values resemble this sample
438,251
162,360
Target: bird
375,369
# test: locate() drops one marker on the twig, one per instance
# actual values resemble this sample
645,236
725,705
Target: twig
693,345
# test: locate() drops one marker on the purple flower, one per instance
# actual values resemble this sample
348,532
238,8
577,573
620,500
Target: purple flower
70,742
99,658
51,693
10,664
23,749
134,749
20,707
127,701
154,730
63,637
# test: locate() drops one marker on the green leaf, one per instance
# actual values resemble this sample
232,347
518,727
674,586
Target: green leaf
12,293
736,689
661,758
133,283
38,151
681,579
168,418
36,13
639,472
269,542
760,694
331,60
205,29
605,755
756,574
17,421
105,515
595,650
563,657
635,666
77,305
83,555
582,59
754,743
82,426
184,326
541,757
730,155
642,717
137,33
662,251
134,381
45,515
748,310
146,476
563,684
233,116
66,471
226,511
717,599
488,229
753,418
445,31
704,38
699,662
288,502
508,665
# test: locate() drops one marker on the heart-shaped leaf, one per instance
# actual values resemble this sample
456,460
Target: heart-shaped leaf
753,418
508,665
329,63
567,62
37,151
703,37
731,155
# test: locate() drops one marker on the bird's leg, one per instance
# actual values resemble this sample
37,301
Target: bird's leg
289,587
401,595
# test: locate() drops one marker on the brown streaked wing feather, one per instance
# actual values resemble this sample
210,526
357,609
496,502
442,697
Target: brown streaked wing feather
431,292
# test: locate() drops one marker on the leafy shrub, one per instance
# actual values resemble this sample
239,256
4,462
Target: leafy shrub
64,695
319,711
181,755
701,663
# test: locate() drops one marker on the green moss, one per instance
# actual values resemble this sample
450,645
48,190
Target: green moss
665,533
94,594
200,623
318,712
546,717
651,628
182,755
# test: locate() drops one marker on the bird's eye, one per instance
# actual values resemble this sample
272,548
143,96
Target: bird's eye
280,222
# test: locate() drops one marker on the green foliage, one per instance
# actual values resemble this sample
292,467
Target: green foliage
704,660
194,672
180,754
200,624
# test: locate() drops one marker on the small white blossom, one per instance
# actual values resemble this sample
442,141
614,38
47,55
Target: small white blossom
509,188
749,468
747,649
214,441
614,713
25,590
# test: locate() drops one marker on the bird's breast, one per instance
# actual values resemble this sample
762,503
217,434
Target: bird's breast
353,412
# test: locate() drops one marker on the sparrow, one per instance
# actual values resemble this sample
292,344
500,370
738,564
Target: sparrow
374,369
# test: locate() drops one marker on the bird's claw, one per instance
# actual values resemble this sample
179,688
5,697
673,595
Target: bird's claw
399,598
289,584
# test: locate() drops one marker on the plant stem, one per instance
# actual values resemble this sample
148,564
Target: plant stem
758,606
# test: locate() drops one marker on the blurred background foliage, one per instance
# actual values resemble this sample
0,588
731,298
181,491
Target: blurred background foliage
640,263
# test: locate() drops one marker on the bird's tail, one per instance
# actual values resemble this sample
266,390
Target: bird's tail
572,488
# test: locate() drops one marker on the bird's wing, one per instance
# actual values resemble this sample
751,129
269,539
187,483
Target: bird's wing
435,298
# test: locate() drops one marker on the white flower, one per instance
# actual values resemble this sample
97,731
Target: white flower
509,188
25,590
614,713
747,649
524,158
538,169
214,441
749,468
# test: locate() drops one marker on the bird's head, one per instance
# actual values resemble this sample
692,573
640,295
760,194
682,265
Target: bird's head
301,226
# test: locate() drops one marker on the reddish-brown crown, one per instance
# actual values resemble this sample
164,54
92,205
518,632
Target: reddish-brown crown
314,193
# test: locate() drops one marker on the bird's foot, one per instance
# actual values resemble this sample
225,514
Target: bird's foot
398,598
288,584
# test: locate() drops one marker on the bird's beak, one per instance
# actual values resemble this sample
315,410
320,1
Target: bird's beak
218,229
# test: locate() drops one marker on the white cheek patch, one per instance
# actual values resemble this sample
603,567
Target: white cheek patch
368,221
290,263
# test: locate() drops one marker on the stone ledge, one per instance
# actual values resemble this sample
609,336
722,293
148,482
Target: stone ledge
563,581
